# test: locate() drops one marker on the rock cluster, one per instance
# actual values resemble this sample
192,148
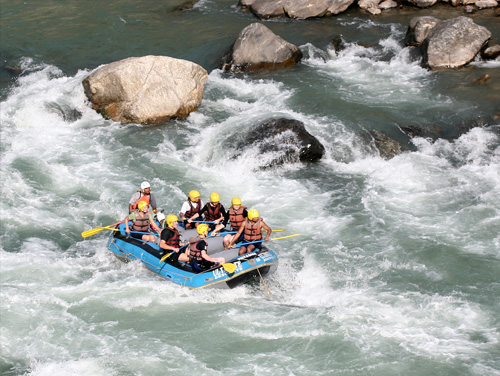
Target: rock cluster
303,9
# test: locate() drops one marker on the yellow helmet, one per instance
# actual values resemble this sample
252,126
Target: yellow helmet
193,195
201,229
171,218
253,213
142,204
214,197
236,201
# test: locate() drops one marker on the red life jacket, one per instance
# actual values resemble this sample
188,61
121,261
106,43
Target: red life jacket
141,222
253,230
143,197
192,211
236,217
194,252
213,212
175,240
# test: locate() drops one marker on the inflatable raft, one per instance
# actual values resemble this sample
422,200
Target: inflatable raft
246,267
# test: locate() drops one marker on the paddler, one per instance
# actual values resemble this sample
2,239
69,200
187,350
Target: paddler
143,194
251,228
141,219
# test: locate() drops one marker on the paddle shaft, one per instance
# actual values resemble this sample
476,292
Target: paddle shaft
98,229
260,241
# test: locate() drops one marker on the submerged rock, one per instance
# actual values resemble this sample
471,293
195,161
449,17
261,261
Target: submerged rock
387,147
283,141
258,48
146,90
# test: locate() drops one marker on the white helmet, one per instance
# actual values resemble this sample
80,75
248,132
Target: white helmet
160,217
145,185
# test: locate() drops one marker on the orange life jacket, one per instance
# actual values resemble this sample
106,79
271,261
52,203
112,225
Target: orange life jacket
253,230
143,197
236,217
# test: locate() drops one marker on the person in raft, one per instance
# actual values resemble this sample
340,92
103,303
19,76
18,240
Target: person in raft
190,207
214,212
170,239
143,194
237,213
251,228
199,259
141,219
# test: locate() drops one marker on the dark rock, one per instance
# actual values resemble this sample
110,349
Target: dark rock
186,6
491,51
387,147
470,9
15,70
67,113
338,44
283,141
484,79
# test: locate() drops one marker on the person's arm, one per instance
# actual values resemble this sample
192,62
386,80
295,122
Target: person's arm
184,209
223,216
132,201
268,229
198,215
165,235
153,224
130,217
220,260
238,234
153,202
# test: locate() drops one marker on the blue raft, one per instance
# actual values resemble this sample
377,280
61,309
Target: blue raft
248,266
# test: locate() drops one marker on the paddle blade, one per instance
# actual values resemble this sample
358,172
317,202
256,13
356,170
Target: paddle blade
229,267
165,257
94,231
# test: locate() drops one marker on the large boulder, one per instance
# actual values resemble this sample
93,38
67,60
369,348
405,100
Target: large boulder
258,48
282,141
298,9
453,43
146,90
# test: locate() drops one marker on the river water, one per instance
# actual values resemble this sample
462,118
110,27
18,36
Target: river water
396,271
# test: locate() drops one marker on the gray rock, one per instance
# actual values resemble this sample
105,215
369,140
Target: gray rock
453,43
423,3
491,52
257,48
146,90
482,4
419,29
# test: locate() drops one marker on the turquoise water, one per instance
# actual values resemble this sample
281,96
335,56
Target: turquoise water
397,267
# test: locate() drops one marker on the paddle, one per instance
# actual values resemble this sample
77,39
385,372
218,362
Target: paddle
229,267
94,231
223,233
260,241
195,221
171,253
